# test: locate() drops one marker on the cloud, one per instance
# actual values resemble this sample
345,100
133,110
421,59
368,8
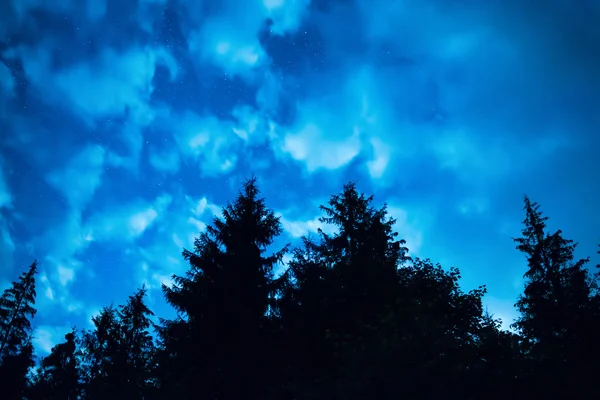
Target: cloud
474,205
229,43
176,229
115,82
448,110
5,195
43,340
327,131
165,161
59,249
409,228
286,15
381,158
298,228
110,84
44,282
228,37
125,223
47,336
141,220
209,142
81,177
310,144
7,247
503,309
7,84
250,125
65,275
330,129
201,206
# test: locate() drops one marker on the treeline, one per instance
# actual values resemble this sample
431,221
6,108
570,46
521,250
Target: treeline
352,317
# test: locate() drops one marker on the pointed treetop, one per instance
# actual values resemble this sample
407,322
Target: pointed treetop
535,225
16,310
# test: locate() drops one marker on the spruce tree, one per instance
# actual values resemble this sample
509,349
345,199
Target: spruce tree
98,352
337,287
118,354
16,348
557,311
217,345
363,253
136,347
16,310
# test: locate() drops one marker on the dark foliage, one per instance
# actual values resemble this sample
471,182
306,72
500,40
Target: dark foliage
16,348
350,317
117,356
559,312
219,342
58,374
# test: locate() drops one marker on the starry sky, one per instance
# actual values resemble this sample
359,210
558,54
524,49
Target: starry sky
126,125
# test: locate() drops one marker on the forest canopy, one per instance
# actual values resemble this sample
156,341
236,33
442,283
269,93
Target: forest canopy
352,316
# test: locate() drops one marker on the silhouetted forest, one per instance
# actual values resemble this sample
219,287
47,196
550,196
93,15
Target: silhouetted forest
352,317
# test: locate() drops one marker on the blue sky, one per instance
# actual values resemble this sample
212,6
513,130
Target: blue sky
126,125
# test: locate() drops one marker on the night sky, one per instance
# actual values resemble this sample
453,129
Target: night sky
126,125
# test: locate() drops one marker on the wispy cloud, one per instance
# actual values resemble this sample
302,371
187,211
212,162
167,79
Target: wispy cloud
5,194
80,178
126,124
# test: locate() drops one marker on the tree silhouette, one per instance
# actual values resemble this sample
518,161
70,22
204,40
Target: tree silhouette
16,348
557,315
335,289
118,354
58,375
352,317
99,354
424,346
218,343
136,348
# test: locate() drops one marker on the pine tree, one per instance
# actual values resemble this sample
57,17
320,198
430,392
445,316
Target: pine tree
363,255
14,371
16,348
217,345
556,308
336,288
98,354
118,354
305,308
136,347
16,309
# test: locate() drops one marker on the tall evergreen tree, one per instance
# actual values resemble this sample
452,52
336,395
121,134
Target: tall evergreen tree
336,287
136,348
16,348
98,355
305,308
217,345
118,354
363,253
556,319
16,310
